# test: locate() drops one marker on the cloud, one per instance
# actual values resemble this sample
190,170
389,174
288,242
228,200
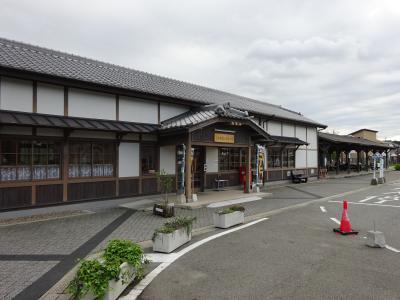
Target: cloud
336,62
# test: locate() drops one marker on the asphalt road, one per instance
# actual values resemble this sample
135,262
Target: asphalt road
295,255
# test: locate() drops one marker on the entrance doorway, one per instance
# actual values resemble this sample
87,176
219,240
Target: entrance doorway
198,161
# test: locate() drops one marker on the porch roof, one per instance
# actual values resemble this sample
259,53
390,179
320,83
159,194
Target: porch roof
54,121
288,140
348,140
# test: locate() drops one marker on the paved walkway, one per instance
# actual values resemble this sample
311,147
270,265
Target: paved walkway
34,256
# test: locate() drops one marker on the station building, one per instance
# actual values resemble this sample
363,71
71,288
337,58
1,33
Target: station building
73,128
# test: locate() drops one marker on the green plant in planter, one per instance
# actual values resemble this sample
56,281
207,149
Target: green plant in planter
165,182
175,224
230,209
94,275
397,167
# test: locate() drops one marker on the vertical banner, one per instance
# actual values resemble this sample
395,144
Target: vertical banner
260,164
181,160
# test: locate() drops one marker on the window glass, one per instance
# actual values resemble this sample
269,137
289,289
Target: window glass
274,158
291,158
30,160
230,158
91,159
148,159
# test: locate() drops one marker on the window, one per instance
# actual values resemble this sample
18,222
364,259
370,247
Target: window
149,159
274,158
230,158
91,160
27,160
281,159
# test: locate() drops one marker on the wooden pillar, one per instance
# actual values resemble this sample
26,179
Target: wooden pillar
337,161
117,168
248,172
358,160
348,161
188,169
65,170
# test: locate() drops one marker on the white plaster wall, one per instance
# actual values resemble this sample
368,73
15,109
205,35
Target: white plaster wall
135,110
128,164
50,99
168,159
168,110
16,94
312,138
16,130
301,158
301,133
212,159
312,158
49,132
288,130
89,104
274,128
93,134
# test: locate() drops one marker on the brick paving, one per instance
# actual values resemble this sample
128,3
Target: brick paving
64,236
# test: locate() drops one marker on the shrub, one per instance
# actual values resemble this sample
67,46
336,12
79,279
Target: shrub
174,224
397,167
94,275
230,209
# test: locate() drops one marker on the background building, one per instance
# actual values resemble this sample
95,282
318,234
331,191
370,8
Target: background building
74,129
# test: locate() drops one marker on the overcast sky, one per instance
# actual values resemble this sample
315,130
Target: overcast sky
337,62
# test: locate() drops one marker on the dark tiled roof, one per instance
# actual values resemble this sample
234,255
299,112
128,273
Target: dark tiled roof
348,139
42,120
288,140
25,57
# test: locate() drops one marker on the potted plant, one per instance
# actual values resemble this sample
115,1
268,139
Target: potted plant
173,234
229,217
165,209
107,277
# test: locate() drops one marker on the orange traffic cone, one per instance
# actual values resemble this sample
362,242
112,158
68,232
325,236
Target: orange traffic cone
345,226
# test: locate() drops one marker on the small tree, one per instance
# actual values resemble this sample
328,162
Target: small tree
165,183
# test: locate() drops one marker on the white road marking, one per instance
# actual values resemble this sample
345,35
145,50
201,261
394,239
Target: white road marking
368,198
335,220
235,201
372,204
392,249
170,258
322,209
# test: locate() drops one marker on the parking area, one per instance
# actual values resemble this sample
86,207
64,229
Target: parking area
48,249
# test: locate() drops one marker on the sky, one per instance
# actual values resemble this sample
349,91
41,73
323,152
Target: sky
337,62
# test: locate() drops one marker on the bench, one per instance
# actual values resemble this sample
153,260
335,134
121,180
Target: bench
298,176
220,184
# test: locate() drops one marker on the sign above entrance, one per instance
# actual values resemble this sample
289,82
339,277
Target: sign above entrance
224,138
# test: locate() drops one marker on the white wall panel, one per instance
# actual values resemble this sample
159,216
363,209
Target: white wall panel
274,128
128,159
50,99
89,104
312,158
212,159
312,138
135,110
301,158
168,159
16,94
288,129
301,133
168,110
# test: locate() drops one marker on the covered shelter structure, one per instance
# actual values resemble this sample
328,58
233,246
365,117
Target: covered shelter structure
346,152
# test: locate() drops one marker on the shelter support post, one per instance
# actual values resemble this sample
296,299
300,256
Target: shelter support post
188,169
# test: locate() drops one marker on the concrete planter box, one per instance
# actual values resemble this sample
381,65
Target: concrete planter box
168,242
228,220
115,288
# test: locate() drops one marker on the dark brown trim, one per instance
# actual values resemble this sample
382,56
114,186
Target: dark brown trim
34,100
65,102
116,169
159,112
